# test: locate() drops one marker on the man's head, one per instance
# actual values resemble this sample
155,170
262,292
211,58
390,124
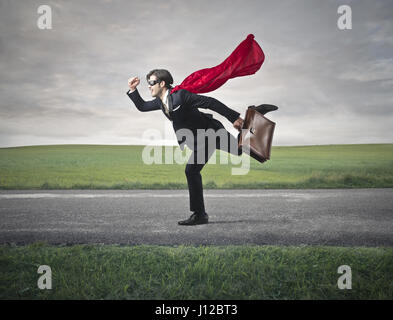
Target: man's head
159,80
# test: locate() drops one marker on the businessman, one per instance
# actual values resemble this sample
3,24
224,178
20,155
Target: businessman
181,108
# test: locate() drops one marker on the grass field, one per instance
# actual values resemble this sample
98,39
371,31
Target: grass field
187,272
121,167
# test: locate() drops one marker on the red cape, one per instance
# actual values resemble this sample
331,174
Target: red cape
246,59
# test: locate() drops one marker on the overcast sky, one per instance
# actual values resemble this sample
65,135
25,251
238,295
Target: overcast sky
68,85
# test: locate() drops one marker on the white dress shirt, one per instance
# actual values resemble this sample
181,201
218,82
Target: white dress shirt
165,102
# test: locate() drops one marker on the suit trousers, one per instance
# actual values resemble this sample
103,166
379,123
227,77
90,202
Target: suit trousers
200,156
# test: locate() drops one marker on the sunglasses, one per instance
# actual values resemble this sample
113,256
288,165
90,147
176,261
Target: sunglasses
153,82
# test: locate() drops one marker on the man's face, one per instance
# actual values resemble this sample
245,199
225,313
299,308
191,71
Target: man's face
157,88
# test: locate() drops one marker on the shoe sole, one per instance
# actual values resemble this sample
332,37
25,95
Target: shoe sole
192,224
269,106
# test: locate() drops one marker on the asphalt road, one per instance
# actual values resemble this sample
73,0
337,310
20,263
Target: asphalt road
361,217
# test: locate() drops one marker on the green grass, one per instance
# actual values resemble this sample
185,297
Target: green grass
121,167
187,272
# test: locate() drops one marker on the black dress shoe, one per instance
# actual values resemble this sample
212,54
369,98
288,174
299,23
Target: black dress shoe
264,108
196,218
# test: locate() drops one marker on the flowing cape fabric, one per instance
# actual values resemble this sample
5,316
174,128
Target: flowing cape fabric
245,60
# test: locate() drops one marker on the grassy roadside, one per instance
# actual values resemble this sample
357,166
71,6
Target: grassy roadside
121,167
187,272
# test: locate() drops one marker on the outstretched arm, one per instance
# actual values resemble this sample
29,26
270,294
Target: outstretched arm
200,101
141,104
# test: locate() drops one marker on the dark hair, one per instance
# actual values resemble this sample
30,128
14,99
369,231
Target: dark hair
162,75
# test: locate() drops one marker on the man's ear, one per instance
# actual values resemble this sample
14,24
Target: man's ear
162,84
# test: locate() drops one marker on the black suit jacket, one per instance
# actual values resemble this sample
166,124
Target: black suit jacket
184,112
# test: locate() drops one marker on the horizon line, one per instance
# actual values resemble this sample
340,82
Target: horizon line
176,145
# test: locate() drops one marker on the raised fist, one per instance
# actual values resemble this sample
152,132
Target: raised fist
133,82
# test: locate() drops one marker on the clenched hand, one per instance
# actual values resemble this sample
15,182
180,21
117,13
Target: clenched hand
238,124
133,82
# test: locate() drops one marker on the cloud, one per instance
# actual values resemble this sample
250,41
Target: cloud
68,84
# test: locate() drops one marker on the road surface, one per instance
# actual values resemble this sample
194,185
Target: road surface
348,217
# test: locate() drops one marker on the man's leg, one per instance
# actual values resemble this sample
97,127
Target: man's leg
195,186
231,143
195,165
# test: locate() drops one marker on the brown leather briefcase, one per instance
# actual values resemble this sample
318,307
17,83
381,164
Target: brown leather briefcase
257,135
